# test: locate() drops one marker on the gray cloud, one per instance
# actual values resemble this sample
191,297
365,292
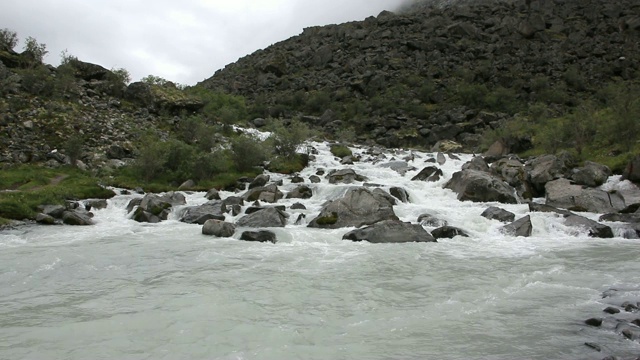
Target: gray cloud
184,41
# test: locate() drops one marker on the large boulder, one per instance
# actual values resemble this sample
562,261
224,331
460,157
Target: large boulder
561,193
202,213
358,207
520,227
399,193
153,206
479,186
513,172
259,181
477,163
390,231
267,217
591,174
344,176
218,228
88,71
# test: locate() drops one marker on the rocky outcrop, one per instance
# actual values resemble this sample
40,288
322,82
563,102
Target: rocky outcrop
390,231
590,174
358,207
544,169
478,186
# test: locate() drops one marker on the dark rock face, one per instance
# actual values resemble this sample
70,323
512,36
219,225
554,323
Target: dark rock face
390,231
218,228
448,232
259,181
259,236
496,213
268,217
358,207
520,227
561,193
479,186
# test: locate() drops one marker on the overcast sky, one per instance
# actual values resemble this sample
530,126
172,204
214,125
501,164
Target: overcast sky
183,41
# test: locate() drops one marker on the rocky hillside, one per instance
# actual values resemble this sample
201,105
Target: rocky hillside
428,73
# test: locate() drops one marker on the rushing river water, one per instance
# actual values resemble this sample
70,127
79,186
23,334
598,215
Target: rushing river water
126,290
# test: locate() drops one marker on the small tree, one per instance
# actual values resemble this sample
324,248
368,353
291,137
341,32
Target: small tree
154,80
287,138
35,50
247,152
8,39
73,148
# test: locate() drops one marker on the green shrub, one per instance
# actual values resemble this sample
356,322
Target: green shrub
340,150
287,138
8,39
248,152
35,51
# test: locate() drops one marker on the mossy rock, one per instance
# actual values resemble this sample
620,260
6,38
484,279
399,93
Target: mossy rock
328,220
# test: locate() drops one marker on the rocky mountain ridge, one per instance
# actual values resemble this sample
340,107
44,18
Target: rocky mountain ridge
441,72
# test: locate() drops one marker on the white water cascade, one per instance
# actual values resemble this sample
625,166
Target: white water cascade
126,290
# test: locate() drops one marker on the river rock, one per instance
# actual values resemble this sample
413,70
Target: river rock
201,213
96,204
344,176
448,232
429,173
77,218
301,192
399,193
479,186
358,207
477,163
189,184
256,208
45,219
140,215
297,179
591,174
441,159
259,181
213,194
218,228
159,205
520,227
268,217
55,211
632,171
390,231
401,167
298,206
269,194
561,193
315,179
431,220
594,228
544,169
259,236
496,213
548,208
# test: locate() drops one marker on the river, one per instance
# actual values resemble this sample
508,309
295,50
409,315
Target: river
126,290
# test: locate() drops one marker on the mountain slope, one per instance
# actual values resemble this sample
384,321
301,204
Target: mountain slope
447,72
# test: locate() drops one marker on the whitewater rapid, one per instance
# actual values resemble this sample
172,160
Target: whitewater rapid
127,290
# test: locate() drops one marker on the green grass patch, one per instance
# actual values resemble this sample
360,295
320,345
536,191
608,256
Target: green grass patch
26,187
289,165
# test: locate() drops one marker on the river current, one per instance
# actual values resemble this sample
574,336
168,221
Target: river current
127,290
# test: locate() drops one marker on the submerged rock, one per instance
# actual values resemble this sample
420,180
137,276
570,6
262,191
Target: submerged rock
496,213
390,231
431,220
448,232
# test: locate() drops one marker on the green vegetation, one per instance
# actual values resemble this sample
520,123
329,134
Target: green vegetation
340,150
604,128
26,187
328,220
